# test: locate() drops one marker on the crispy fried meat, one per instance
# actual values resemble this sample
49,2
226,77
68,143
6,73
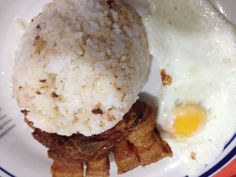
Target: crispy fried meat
134,141
78,148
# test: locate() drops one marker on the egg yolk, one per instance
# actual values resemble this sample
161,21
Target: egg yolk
188,118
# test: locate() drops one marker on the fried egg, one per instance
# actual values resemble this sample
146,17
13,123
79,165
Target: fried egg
196,46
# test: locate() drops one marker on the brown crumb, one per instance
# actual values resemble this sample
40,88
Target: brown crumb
97,111
30,124
109,2
39,44
166,79
25,112
54,95
85,38
193,155
101,124
111,118
20,87
38,26
38,92
43,80
37,37
123,96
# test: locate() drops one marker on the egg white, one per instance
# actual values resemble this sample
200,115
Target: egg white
196,45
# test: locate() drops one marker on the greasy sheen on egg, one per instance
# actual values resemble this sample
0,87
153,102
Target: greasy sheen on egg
196,46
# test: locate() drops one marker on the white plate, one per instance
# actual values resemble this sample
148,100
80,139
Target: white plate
20,154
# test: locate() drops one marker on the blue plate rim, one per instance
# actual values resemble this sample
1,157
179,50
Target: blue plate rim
209,172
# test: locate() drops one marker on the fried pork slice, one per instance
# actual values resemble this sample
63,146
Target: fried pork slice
98,168
153,149
141,135
61,168
125,157
66,168
135,141
80,148
147,142
143,145
95,168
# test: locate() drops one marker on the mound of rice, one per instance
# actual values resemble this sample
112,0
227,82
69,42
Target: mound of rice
81,66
